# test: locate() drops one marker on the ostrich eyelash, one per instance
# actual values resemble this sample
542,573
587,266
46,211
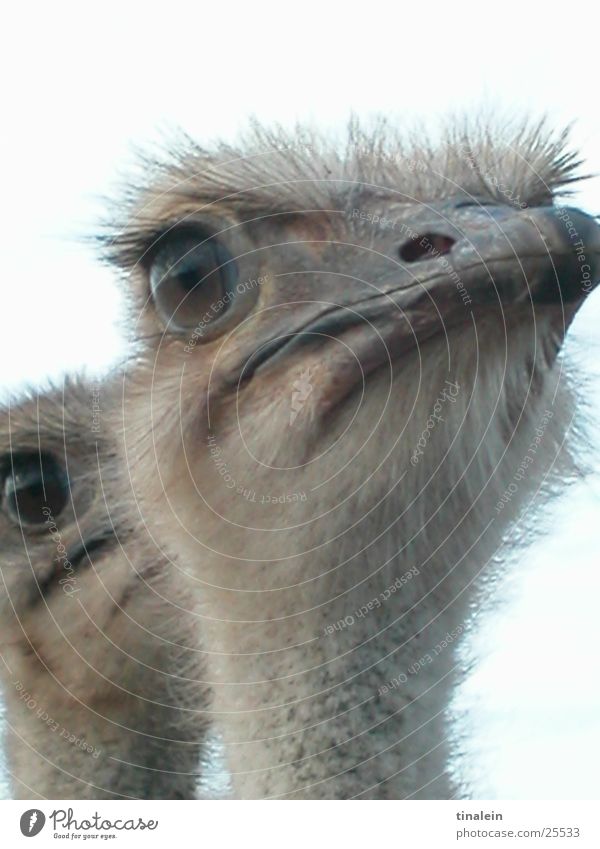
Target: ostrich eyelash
134,247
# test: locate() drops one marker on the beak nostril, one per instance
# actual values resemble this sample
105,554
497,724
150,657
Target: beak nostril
427,246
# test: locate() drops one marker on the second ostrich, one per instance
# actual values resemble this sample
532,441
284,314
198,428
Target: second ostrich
100,662
348,389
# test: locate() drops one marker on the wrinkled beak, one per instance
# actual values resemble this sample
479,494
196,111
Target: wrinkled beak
465,260
544,255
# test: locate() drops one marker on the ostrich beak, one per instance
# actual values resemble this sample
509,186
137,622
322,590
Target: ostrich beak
467,260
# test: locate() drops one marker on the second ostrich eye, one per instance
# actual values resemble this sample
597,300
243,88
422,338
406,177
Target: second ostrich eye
192,279
35,488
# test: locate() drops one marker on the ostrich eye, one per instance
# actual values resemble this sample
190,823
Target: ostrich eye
35,488
192,279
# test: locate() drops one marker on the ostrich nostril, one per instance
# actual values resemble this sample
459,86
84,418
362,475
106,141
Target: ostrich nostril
427,246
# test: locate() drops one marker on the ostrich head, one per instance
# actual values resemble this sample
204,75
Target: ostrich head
53,512
304,310
101,664
345,353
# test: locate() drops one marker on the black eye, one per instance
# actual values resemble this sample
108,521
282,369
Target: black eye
35,488
193,282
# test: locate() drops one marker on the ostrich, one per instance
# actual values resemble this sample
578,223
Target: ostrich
100,661
346,390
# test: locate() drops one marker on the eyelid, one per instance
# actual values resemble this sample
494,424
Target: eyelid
136,248
132,249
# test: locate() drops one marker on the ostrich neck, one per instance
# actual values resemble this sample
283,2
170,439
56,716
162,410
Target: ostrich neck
336,686
334,640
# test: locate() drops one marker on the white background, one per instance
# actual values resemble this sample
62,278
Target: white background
82,84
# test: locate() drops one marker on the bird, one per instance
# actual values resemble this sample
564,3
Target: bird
101,664
345,392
